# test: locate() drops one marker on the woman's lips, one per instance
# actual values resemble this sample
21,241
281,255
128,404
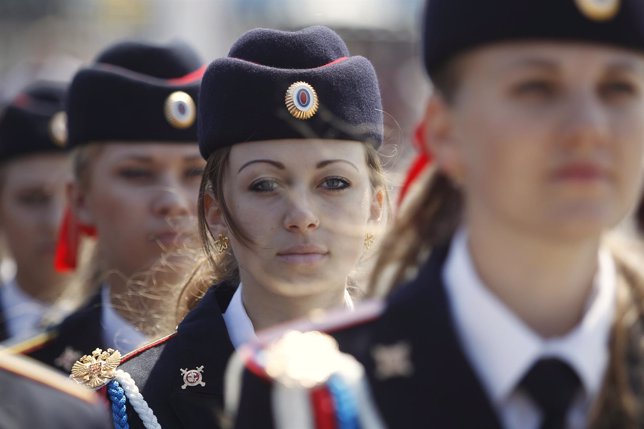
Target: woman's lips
581,172
303,254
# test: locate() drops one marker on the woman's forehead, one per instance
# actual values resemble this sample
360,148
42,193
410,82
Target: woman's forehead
550,55
150,151
297,151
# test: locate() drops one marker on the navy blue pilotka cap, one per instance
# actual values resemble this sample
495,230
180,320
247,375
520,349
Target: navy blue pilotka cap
452,27
137,92
289,85
34,122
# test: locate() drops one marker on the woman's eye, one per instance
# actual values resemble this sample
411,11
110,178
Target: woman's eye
135,173
34,199
263,185
335,183
535,88
194,172
617,89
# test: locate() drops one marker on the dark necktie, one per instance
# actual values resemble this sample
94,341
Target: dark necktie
552,384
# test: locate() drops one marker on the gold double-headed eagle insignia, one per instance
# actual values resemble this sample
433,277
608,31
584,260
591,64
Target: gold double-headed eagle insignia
97,369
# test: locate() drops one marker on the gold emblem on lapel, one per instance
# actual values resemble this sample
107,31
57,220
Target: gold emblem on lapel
97,369
598,10
180,110
392,360
192,377
58,129
301,100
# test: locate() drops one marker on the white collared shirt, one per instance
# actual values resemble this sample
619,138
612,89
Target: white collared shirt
501,348
22,313
118,333
239,326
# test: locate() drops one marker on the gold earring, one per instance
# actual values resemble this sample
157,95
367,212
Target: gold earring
369,239
221,244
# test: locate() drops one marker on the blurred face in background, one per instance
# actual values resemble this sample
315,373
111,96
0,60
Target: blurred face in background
32,202
545,138
142,200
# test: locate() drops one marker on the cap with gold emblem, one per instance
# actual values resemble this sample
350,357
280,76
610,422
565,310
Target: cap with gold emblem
136,92
34,121
289,85
454,26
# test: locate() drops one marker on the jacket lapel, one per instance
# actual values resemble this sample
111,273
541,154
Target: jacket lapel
190,369
437,384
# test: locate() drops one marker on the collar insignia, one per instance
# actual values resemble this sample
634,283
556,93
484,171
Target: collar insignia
192,377
392,360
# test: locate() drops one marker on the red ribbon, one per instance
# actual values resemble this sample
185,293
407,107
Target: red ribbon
419,164
323,408
69,237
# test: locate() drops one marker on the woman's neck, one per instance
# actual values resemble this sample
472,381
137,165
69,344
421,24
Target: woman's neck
46,289
266,308
144,301
545,281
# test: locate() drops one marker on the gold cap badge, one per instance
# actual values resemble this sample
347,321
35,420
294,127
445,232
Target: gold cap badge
301,100
180,111
96,370
598,10
58,129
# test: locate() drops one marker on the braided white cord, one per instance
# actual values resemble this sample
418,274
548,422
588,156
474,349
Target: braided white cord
136,399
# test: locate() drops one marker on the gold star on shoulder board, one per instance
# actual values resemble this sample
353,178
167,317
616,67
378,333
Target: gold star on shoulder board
392,360
96,370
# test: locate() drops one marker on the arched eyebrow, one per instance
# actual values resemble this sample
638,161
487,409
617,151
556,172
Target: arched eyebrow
323,164
275,164
281,166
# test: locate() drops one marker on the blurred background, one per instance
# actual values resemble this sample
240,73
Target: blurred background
51,39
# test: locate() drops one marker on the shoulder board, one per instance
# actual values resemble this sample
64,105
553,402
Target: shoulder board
326,321
29,369
148,346
32,344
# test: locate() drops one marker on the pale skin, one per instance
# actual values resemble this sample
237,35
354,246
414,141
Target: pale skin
545,140
32,200
142,200
306,205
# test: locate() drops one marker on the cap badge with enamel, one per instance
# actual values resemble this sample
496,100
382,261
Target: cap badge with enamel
301,100
598,10
180,110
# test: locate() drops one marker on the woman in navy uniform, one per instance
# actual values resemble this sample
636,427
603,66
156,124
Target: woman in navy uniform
36,397
291,198
511,310
132,126
34,169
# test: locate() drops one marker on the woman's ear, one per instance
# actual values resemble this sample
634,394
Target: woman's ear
213,213
77,199
377,205
440,140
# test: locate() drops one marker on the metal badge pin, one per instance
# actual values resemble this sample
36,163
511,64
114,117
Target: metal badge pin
180,110
301,100
192,377
598,10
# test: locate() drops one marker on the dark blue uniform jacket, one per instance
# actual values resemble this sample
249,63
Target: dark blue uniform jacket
442,391
201,340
